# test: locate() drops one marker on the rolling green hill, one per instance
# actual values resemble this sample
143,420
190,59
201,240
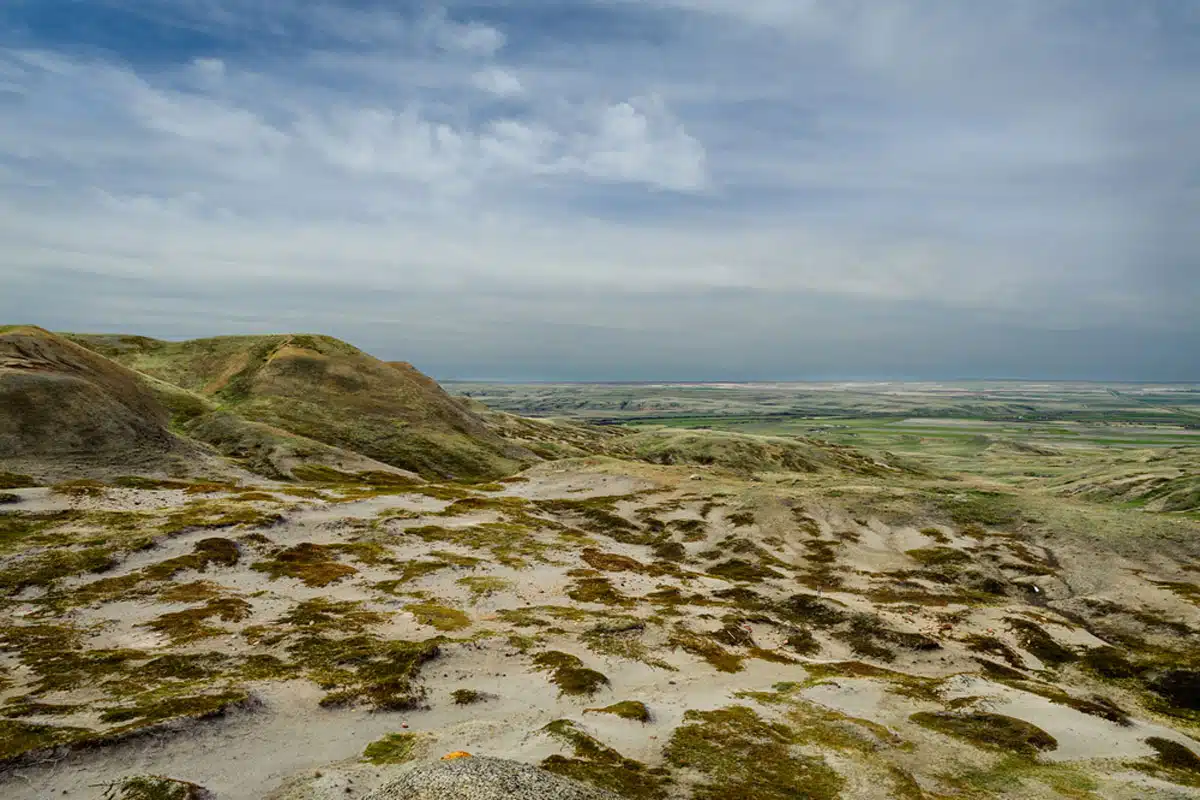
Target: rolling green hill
330,392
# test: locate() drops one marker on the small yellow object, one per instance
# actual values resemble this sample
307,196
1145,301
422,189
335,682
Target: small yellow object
456,754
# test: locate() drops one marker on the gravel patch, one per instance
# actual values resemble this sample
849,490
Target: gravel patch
484,779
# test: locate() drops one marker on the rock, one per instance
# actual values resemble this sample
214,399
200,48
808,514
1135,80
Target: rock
482,778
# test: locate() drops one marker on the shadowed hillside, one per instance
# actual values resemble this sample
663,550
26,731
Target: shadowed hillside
331,392
60,401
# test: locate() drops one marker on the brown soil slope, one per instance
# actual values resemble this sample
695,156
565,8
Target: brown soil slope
332,392
60,401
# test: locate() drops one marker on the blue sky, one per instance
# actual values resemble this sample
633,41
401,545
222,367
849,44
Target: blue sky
662,189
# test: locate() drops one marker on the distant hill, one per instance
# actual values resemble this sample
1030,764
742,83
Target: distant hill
327,391
1156,480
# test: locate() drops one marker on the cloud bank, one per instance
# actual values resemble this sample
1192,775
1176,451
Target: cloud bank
677,189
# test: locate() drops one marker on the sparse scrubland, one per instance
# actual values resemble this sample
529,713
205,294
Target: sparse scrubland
270,567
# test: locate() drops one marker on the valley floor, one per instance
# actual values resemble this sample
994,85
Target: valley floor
658,631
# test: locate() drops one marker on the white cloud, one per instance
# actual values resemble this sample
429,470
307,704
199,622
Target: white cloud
473,38
498,81
641,140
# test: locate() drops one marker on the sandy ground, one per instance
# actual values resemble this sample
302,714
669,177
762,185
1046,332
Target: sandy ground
279,748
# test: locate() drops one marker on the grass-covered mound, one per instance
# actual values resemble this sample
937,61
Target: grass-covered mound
746,453
60,401
328,391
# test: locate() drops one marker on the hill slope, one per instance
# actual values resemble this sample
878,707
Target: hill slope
331,392
63,403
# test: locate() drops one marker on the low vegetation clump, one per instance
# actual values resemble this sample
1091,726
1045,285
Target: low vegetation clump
602,766
440,617
992,731
83,487
19,738
627,709
21,529
706,648
313,564
1178,687
510,544
1041,644
1174,761
740,755
481,586
612,562
979,643
154,787
597,590
938,556
365,668
395,748
15,480
211,516
45,568
214,551
597,515
569,674
622,637
467,697
152,708
736,569
184,627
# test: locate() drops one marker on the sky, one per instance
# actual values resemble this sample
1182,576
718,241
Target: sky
617,189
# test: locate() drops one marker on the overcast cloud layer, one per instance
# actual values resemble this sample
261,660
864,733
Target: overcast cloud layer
675,189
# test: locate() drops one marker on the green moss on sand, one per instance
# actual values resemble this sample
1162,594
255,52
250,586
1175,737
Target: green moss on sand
313,564
154,787
991,731
467,697
740,755
568,673
395,748
596,763
440,617
14,480
626,709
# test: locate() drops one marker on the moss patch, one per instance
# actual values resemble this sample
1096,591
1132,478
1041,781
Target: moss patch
481,586
992,731
467,697
15,480
18,738
206,515
569,674
706,648
395,748
313,564
597,590
627,709
740,755
1036,640
736,569
154,787
152,707
187,626
215,551
1173,761
440,617
622,637
602,766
